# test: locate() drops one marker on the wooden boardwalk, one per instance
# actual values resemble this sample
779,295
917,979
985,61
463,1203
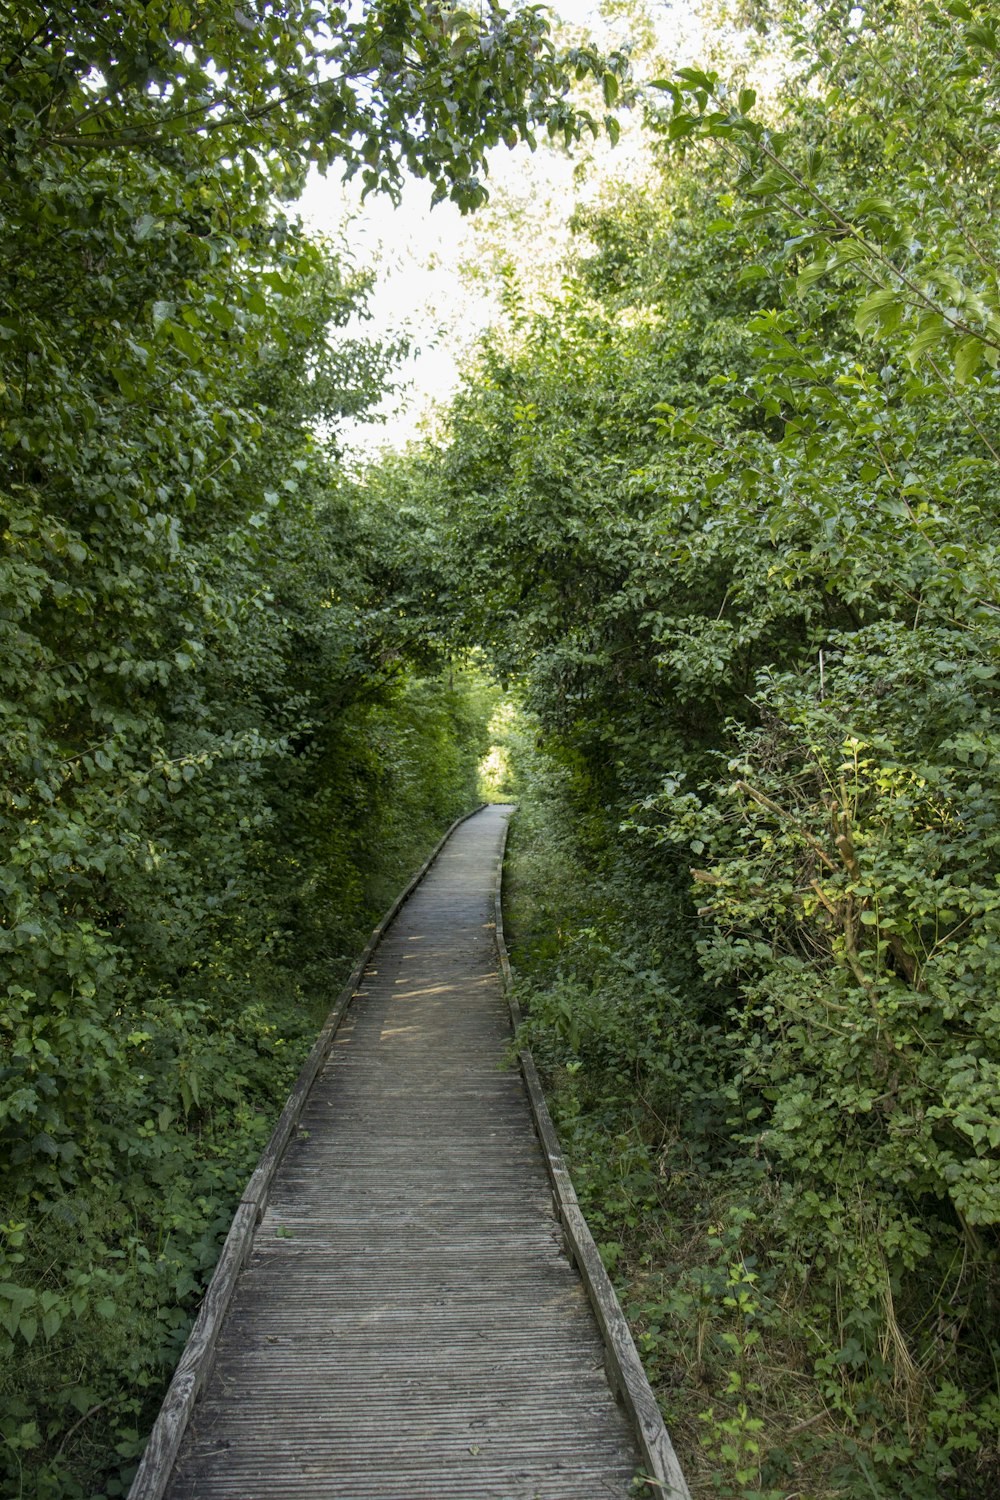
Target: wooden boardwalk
407,1325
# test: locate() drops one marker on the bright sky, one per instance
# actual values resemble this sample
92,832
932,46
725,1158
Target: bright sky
419,251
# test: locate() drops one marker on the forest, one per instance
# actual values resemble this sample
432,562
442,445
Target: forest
704,548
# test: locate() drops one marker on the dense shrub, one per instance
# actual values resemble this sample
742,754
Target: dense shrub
724,510
223,749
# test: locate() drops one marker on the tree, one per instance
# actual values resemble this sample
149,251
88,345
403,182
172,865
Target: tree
211,715
267,87
726,508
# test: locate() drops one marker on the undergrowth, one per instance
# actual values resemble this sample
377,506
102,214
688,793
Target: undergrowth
783,1373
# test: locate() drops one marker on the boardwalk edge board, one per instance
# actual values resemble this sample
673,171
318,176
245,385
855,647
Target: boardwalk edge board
625,1372
195,1363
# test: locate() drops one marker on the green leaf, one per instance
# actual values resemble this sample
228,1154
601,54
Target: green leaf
930,335
984,37
751,274
185,340
774,180
875,309
697,79
875,206
968,357
811,274
126,382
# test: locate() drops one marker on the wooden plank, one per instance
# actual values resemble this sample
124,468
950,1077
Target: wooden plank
259,1184
625,1371
195,1364
404,1326
407,1326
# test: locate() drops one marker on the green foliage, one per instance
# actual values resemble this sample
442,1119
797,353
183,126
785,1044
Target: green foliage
725,512
224,748
255,93
770,1317
880,170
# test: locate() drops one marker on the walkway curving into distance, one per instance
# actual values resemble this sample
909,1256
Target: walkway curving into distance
407,1325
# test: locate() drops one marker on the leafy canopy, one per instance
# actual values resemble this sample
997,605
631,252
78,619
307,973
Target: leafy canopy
383,89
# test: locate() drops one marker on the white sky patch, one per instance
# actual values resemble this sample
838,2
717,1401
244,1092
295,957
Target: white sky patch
419,252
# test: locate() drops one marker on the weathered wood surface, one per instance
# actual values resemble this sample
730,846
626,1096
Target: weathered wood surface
406,1324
